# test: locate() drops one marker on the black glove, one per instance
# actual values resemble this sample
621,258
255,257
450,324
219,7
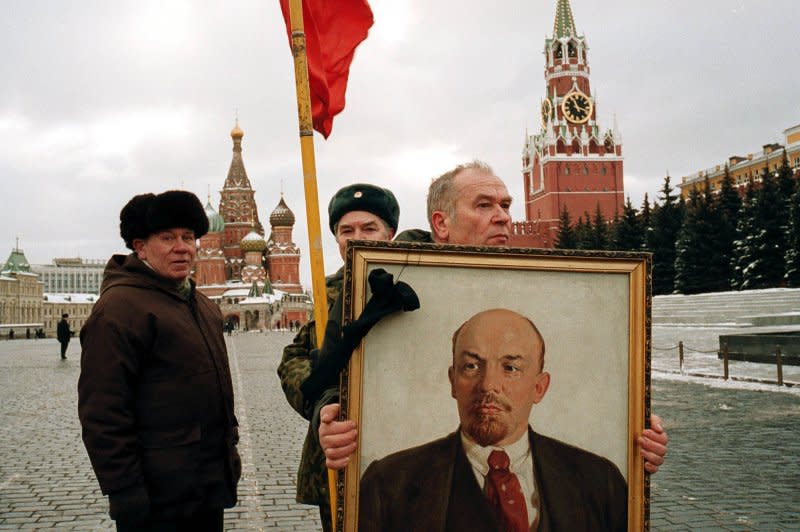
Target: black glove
129,505
387,297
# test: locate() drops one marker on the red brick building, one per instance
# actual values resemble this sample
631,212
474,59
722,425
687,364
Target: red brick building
571,162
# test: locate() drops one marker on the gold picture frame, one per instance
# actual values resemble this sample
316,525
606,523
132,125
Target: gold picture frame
593,310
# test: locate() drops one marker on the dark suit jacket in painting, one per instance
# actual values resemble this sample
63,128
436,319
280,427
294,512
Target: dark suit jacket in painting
432,488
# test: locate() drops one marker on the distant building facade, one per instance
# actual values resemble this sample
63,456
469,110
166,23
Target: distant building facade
78,306
20,296
749,167
71,275
255,280
571,162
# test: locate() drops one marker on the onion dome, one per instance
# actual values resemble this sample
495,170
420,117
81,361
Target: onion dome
282,216
253,242
215,221
237,132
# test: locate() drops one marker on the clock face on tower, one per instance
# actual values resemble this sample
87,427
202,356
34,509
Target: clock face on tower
547,111
577,107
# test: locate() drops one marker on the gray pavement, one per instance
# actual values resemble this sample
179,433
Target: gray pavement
732,462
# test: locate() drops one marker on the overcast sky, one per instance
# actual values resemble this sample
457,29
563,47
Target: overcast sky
103,100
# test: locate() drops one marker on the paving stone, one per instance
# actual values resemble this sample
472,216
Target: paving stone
732,462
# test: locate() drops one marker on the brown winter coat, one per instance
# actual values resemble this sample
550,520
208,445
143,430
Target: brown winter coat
155,397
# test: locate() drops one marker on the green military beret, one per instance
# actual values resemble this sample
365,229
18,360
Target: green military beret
362,197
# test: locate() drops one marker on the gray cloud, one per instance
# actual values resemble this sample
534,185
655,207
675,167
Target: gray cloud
103,100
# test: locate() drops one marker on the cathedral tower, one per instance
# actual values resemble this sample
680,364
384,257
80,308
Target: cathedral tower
237,207
283,254
571,162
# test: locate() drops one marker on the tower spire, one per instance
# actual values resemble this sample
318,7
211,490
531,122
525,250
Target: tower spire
564,24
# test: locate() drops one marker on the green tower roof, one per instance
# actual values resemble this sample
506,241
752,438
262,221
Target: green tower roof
255,291
564,24
17,262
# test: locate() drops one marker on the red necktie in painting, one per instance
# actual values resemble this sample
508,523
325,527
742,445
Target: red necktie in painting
505,494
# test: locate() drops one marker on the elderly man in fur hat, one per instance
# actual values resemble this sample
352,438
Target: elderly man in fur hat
155,398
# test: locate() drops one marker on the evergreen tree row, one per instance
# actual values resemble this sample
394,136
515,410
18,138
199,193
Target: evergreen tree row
708,242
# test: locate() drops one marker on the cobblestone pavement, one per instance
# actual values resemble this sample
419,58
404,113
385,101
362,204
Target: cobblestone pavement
732,462
733,458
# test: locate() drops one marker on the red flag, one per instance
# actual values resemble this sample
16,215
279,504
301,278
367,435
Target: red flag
333,30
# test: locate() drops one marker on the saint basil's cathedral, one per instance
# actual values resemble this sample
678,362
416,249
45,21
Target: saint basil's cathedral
571,163
255,280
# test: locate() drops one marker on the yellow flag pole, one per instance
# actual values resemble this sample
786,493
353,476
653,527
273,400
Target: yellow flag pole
310,185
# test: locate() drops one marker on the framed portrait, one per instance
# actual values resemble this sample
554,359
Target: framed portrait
592,313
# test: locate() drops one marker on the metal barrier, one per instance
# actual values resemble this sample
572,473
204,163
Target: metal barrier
681,347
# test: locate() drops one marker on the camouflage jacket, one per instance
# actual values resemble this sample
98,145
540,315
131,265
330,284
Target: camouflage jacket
299,358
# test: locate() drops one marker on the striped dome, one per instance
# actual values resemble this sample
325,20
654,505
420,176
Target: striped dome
282,216
253,242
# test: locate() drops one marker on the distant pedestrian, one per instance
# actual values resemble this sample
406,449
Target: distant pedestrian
11,334
28,333
63,333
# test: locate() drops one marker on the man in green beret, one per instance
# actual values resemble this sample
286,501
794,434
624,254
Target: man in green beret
356,212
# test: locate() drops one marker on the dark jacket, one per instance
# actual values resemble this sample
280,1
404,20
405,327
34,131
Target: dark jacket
63,332
432,488
414,235
299,358
155,397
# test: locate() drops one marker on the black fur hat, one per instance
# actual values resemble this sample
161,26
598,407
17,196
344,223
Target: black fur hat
148,213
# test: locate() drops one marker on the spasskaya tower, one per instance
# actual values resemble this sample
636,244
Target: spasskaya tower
571,162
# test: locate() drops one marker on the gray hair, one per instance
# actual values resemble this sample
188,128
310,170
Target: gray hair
442,197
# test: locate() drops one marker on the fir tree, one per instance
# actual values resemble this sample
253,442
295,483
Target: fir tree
695,270
583,232
726,206
645,219
667,219
599,234
743,245
767,239
793,242
773,214
566,234
786,182
628,231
